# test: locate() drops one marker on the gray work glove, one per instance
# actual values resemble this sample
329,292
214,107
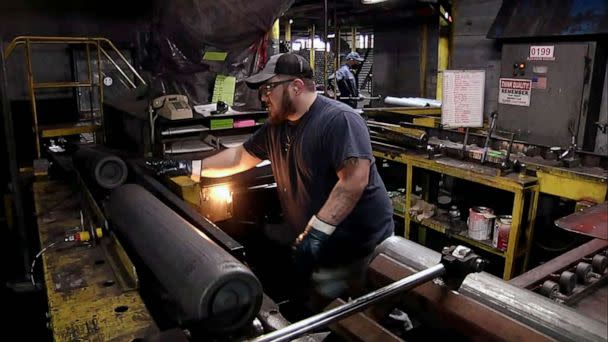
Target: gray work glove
308,247
170,167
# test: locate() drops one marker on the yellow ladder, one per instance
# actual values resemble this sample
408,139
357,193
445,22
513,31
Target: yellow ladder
98,45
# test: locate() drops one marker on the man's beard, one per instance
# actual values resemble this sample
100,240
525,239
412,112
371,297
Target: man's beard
287,108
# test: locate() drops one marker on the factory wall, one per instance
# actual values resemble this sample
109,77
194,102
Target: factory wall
64,18
470,47
397,58
52,63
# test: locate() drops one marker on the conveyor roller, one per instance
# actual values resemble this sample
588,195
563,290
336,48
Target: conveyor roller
207,283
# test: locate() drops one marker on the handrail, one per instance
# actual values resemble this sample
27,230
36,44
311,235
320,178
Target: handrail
97,42
20,40
117,67
123,58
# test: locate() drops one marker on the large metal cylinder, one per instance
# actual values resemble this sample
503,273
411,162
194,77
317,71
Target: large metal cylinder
104,168
554,320
209,285
408,253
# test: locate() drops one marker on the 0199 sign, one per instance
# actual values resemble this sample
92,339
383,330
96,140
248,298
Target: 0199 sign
542,52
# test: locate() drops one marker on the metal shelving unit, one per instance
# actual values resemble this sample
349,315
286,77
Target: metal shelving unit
525,192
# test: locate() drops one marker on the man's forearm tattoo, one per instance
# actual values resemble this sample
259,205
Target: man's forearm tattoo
340,203
351,162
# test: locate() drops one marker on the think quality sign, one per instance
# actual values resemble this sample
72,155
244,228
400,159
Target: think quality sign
514,92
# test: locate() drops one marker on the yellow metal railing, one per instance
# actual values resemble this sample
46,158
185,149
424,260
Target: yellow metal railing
101,53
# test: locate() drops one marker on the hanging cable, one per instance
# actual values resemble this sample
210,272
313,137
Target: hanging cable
36,258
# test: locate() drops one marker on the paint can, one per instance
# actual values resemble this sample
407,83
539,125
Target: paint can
502,227
480,223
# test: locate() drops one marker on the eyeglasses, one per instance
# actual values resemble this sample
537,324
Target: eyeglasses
265,89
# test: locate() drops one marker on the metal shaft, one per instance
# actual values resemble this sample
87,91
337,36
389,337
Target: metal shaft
464,143
485,147
320,320
360,98
508,157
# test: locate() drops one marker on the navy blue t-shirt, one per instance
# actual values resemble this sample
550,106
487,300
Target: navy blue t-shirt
306,156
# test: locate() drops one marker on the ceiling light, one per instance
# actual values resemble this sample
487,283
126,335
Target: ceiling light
369,2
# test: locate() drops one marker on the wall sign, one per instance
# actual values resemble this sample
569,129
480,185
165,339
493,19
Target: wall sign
542,53
514,91
539,82
462,100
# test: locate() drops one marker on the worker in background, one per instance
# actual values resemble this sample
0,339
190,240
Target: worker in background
345,78
332,196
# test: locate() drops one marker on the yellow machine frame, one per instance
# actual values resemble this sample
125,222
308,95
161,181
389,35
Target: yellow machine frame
90,287
526,190
98,44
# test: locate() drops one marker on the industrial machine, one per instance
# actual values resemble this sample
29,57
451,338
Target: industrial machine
577,278
190,280
127,255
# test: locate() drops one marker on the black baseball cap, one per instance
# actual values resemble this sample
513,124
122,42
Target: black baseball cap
281,64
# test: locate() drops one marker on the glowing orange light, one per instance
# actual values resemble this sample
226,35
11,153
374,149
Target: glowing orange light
221,193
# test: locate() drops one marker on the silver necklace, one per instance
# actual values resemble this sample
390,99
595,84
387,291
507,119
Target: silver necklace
289,133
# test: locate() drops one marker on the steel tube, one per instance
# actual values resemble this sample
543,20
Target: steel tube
556,321
508,157
320,320
360,98
210,287
104,168
493,116
412,101
187,211
435,306
418,135
464,143
408,253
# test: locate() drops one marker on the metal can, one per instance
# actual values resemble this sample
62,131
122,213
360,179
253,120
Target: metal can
454,213
502,228
480,223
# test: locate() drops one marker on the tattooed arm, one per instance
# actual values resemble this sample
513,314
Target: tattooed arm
353,177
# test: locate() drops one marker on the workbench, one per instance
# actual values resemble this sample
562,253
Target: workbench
525,191
577,183
89,299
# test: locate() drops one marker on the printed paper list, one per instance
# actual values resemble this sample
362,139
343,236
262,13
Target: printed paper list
462,103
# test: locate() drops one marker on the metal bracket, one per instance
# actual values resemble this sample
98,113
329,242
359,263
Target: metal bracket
459,261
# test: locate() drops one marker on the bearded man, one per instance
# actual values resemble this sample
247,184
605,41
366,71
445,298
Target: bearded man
334,202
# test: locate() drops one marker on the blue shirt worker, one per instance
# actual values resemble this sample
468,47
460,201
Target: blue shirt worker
346,81
333,199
